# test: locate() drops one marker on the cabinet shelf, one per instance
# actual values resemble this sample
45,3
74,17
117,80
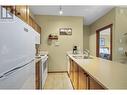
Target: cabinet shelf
53,37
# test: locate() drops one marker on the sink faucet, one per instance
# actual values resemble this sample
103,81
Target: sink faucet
86,51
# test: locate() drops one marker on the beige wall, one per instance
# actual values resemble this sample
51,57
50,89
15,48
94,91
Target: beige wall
118,17
120,30
57,53
107,19
86,31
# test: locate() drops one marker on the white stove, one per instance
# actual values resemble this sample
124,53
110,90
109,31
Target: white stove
44,69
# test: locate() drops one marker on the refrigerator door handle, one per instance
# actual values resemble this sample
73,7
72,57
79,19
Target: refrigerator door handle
14,69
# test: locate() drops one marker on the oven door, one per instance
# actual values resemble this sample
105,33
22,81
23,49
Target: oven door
44,71
45,65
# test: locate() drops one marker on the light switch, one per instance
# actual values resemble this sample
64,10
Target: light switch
120,48
57,43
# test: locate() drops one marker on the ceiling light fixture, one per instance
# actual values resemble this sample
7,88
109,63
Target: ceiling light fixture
60,11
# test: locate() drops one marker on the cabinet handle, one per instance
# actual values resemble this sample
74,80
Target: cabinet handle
18,13
25,29
88,82
85,73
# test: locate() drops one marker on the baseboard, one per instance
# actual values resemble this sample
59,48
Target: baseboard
57,72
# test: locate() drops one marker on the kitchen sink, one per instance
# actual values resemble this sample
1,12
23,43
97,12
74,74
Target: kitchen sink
82,57
85,57
78,57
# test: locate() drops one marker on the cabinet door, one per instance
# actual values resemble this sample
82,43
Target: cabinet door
69,67
30,21
82,79
93,84
38,29
27,14
38,75
75,75
21,12
34,25
71,70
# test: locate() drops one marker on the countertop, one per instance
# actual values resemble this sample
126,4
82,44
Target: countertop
111,74
41,53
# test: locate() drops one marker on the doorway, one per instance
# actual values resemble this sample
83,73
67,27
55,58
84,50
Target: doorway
104,42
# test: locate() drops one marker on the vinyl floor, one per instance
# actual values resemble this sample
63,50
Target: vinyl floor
59,81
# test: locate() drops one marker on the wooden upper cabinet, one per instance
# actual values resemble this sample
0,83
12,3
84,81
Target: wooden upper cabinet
27,14
22,11
33,24
37,27
30,21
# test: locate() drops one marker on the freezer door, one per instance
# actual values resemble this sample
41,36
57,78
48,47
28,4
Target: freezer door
23,78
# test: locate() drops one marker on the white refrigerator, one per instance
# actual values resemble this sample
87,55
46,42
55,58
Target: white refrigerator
17,53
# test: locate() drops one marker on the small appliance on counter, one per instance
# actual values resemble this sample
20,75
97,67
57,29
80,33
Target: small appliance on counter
75,50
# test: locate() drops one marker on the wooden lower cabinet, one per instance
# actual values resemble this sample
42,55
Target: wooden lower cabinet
93,84
75,74
38,75
71,70
80,79
82,84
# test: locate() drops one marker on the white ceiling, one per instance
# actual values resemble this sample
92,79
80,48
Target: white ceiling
90,13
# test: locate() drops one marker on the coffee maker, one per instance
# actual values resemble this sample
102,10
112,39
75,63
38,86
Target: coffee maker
74,49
